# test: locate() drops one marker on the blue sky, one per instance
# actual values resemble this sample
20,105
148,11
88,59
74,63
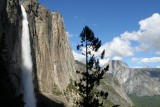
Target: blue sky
129,29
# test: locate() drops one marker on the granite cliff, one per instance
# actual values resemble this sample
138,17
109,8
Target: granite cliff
52,55
53,63
139,81
141,84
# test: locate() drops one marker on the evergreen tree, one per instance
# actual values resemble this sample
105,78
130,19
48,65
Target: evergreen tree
91,77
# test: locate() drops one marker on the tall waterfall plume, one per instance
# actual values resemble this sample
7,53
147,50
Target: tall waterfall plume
27,81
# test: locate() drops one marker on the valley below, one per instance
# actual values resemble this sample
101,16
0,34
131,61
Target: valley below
138,87
142,85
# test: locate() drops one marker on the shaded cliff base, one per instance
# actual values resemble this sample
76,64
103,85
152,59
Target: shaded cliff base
44,101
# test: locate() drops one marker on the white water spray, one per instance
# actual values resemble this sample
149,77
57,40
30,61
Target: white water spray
29,97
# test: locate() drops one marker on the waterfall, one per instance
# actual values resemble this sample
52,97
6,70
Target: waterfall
27,81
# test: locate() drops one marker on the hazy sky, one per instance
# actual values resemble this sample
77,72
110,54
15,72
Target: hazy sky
129,29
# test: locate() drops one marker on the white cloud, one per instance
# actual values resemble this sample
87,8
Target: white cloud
148,35
135,59
130,36
150,60
117,58
151,23
147,39
70,35
117,47
157,66
78,57
81,58
120,47
103,61
146,60
137,67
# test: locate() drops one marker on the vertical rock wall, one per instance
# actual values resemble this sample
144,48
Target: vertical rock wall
53,61
10,50
52,56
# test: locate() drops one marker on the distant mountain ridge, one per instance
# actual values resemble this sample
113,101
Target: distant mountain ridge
110,84
139,81
141,84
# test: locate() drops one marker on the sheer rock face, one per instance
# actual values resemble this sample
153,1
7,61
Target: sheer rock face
120,70
143,82
54,65
53,62
139,81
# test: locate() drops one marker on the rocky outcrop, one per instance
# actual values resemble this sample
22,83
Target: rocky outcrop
143,82
139,81
54,65
117,68
53,62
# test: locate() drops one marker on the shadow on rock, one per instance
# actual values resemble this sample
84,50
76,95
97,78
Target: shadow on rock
44,101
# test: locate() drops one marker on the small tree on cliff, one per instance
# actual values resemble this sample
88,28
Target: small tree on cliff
91,77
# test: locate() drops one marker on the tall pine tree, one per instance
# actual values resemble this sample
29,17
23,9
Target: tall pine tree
91,77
